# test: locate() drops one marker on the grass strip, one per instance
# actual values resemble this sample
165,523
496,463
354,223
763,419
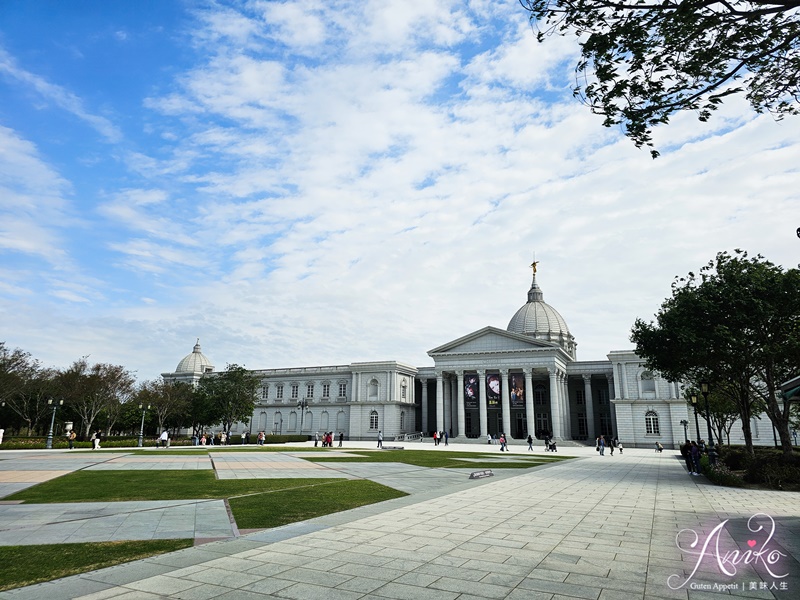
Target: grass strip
443,460
266,510
121,486
26,565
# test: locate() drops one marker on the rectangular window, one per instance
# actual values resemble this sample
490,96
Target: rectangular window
279,392
264,392
582,425
326,390
580,396
602,396
295,391
342,390
310,390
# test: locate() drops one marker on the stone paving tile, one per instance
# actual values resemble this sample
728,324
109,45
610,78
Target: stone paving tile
447,545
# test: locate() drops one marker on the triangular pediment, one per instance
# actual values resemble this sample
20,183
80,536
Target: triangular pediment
490,339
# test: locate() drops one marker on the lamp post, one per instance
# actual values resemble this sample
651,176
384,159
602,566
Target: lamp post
696,423
302,405
712,454
49,443
685,424
141,429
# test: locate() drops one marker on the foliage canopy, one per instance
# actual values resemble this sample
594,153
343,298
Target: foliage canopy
736,326
642,61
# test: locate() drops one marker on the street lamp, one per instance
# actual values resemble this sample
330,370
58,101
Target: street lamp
49,443
141,429
302,405
685,424
712,455
696,424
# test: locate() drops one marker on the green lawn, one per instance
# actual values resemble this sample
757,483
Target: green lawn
26,565
445,459
119,486
301,503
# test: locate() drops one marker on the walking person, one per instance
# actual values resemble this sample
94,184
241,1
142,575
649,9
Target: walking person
316,439
380,440
602,444
530,442
71,438
163,438
611,447
619,447
341,438
446,438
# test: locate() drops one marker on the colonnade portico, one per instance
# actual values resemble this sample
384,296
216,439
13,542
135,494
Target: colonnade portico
453,415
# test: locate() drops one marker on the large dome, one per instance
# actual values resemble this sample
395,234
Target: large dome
541,321
196,362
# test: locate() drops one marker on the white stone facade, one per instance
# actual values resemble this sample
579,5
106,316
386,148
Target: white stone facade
520,380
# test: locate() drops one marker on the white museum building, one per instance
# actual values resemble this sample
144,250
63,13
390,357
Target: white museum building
519,380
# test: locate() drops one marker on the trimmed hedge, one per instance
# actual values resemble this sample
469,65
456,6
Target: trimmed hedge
60,442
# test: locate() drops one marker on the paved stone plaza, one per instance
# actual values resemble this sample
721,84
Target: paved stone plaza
596,527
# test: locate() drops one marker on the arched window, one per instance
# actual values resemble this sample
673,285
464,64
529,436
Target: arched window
323,421
651,423
262,421
373,420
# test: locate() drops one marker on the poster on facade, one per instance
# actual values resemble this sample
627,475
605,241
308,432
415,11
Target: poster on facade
493,391
471,391
517,390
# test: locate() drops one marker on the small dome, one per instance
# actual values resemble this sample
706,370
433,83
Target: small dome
541,321
196,362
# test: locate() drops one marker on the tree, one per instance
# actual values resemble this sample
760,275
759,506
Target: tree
25,386
89,390
170,400
737,326
642,61
229,395
723,409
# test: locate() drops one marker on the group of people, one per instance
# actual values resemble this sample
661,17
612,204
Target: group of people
692,451
601,443
439,437
327,439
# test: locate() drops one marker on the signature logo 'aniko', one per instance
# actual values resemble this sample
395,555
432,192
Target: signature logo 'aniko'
728,561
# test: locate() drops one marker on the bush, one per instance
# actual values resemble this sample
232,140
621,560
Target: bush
770,468
736,458
720,474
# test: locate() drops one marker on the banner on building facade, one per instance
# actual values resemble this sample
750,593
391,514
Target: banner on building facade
471,391
517,390
493,391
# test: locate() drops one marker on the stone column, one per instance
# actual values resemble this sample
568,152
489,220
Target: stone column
482,404
439,401
555,407
424,423
624,389
530,417
565,403
587,386
448,388
461,414
614,429
505,402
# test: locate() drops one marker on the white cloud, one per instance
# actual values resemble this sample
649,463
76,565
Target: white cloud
59,96
375,184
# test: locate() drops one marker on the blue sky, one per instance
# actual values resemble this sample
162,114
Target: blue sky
300,184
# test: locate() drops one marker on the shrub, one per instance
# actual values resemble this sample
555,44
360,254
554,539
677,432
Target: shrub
720,474
773,470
